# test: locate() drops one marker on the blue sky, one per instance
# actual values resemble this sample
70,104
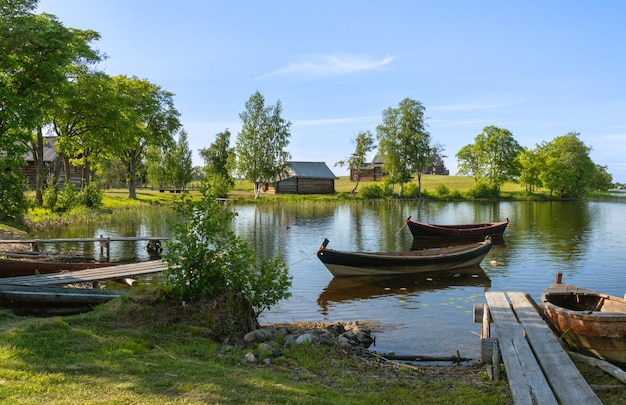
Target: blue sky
540,69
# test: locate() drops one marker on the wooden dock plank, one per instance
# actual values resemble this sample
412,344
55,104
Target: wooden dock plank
567,383
82,276
527,382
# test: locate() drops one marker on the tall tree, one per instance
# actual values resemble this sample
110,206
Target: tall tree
83,121
493,157
260,147
182,162
218,158
38,55
149,117
404,142
567,170
364,143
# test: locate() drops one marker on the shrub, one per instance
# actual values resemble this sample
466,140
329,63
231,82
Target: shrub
483,190
91,196
208,262
67,198
374,191
442,191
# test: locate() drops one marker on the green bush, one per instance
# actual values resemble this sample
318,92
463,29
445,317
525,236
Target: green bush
374,191
483,190
442,191
13,203
208,262
67,198
91,196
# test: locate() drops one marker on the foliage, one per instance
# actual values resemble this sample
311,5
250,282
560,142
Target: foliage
149,118
218,159
483,189
567,169
493,157
364,143
38,54
67,198
375,191
207,260
441,190
260,147
91,196
13,203
404,142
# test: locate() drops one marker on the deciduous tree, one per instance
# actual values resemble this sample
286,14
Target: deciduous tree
404,142
493,157
260,147
364,143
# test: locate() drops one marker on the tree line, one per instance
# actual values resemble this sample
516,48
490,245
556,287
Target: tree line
123,129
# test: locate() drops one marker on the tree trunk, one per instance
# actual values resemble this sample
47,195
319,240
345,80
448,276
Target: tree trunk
419,184
132,169
39,167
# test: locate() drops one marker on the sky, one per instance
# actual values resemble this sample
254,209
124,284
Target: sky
540,69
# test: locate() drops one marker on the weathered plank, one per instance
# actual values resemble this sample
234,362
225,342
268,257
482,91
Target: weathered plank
527,382
83,276
567,383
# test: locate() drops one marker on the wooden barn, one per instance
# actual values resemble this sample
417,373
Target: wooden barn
307,178
372,171
53,165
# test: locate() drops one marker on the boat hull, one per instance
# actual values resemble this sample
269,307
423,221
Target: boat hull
588,321
343,264
18,267
459,231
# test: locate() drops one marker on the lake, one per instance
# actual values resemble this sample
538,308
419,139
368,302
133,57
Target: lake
417,315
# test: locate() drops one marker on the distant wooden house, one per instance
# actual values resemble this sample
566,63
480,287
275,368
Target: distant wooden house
372,171
306,178
53,165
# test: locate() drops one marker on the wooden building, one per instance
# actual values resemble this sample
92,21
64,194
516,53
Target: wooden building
53,165
372,171
306,178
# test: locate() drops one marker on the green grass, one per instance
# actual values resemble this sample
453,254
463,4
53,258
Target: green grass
124,353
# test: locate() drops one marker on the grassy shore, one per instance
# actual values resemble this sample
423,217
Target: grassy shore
136,351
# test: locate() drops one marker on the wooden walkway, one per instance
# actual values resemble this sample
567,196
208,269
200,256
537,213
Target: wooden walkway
154,242
90,275
538,369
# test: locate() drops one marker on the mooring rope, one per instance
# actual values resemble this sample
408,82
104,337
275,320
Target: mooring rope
301,260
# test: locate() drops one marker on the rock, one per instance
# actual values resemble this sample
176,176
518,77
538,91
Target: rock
264,347
306,337
249,358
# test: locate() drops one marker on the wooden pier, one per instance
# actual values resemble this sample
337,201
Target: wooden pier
121,271
153,242
538,369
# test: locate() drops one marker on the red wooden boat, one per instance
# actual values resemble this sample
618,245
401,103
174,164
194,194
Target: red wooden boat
588,321
11,267
458,231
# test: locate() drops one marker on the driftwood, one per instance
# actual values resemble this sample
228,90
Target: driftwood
393,356
602,365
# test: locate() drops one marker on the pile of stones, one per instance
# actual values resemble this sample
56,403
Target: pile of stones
349,336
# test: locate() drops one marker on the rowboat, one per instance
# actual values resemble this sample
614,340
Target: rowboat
587,320
13,267
48,301
460,231
343,263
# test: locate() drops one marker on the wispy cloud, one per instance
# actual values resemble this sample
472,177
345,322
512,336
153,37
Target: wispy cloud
333,64
471,106
335,121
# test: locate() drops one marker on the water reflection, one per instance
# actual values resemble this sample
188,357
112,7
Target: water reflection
583,240
371,287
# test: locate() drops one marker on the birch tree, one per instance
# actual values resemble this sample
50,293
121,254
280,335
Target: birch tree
260,148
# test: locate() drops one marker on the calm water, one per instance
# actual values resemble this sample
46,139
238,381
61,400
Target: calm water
418,315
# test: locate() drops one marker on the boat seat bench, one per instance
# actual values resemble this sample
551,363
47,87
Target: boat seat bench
538,369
